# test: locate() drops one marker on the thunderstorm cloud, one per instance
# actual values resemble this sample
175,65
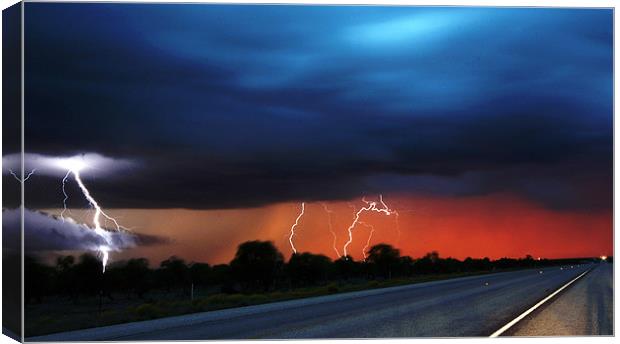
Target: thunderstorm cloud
44,232
54,166
236,106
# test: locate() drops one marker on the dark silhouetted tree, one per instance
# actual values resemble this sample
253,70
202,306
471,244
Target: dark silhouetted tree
66,281
346,268
427,264
38,279
174,273
89,275
200,274
136,276
384,259
256,265
222,275
449,265
305,269
405,266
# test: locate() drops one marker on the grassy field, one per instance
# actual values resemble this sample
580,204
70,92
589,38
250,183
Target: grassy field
59,315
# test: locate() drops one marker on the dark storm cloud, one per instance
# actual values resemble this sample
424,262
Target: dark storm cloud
231,106
44,232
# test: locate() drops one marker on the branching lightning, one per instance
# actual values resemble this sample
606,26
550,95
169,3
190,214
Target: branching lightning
378,206
103,249
331,228
74,166
372,231
51,166
350,229
370,206
25,178
290,238
64,192
392,212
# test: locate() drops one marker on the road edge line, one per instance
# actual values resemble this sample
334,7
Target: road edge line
533,308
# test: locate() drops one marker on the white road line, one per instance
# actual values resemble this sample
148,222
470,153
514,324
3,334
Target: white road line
533,308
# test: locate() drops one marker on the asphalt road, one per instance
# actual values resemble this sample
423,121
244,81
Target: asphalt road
584,309
468,306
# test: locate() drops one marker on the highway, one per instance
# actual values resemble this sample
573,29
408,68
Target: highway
467,306
584,309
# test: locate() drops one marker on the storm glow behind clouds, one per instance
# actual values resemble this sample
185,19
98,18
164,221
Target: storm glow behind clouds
229,107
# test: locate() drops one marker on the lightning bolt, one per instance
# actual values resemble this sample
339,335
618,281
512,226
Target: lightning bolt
103,249
64,192
331,228
290,238
392,212
350,229
372,231
370,206
73,167
25,178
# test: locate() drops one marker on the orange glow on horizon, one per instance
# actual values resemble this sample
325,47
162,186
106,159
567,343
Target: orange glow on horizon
491,226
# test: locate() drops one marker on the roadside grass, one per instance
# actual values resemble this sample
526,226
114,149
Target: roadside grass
60,316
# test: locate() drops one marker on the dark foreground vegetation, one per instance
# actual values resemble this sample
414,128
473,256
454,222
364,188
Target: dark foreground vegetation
76,294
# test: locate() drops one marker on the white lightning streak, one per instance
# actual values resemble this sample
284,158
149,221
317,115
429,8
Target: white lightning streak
103,249
350,229
371,206
290,238
392,212
25,178
372,231
331,228
64,192
74,165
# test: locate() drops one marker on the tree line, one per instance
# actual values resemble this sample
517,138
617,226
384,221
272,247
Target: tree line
257,267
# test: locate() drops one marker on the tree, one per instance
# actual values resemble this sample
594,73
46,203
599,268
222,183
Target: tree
37,279
428,264
173,273
406,266
433,256
449,265
529,261
66,281
88,275
200,274
256,264
64,263
221,274
307,269
346,268
136,275
384,259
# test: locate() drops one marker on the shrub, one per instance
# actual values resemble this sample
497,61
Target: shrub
148,311
332,288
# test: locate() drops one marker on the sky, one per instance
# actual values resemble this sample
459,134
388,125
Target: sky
488,129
